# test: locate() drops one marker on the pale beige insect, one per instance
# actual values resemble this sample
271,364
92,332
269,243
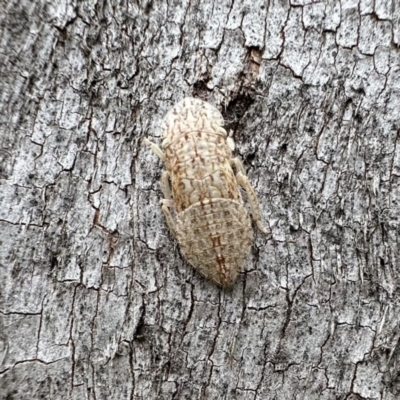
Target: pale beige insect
200,187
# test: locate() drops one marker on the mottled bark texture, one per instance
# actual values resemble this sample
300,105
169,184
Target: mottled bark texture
96,301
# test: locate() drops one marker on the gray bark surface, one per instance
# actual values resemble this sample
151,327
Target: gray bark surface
96,301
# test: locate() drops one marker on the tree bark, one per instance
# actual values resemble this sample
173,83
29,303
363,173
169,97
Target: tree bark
96,301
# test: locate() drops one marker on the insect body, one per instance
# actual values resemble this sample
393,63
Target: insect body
201,189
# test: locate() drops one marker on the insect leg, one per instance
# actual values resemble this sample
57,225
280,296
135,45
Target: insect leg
166,204
244,182
165,186
155,148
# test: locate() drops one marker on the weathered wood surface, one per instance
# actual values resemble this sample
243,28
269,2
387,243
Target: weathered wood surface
96,301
